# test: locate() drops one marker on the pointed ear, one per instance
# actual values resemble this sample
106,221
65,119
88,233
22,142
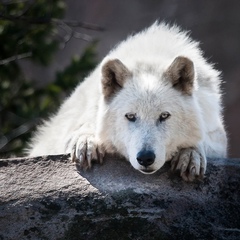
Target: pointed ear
114,75
181,74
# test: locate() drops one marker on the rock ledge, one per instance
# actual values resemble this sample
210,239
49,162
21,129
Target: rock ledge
48,198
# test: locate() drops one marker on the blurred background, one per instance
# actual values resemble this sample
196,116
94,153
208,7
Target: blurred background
48,46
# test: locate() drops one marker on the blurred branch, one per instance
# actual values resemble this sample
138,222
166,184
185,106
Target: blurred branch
66,25
27,5
70,23
72,33
16,57
85,25
26,127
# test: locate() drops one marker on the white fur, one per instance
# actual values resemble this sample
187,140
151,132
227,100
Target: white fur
88,124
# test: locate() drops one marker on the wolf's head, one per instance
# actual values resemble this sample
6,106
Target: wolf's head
148,114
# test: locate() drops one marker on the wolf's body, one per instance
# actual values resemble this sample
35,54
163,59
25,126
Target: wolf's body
152,99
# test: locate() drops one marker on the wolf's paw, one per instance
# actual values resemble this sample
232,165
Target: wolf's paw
85,150
190,162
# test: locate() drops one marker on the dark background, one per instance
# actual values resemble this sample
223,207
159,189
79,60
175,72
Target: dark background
215,23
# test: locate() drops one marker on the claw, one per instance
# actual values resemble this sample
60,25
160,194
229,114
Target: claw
190,162
174,162
81,159
85,150
73,156
89,159
193,171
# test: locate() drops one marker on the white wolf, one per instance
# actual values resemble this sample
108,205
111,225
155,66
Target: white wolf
152,99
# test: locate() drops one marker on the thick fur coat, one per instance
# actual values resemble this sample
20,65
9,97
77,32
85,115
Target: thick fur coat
152,99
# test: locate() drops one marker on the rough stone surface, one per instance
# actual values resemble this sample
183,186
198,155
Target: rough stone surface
48,198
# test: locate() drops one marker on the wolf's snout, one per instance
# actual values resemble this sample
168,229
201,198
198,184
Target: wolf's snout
145,158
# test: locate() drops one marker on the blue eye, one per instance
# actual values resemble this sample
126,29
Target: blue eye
131,117
164,116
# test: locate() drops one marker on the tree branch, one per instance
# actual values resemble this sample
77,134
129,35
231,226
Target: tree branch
16,57
26,127
71,23
85,25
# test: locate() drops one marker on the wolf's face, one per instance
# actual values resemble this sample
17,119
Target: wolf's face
140,125
148,116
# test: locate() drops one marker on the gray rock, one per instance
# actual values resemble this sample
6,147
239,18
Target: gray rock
48,198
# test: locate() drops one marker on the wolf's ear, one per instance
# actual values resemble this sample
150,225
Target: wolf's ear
181,74
114,75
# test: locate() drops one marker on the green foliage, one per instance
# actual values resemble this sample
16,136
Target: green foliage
27,29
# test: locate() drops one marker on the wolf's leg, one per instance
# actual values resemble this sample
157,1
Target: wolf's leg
191,162
84,148
215,143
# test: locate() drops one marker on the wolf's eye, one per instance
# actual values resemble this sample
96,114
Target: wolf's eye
131,117
164,116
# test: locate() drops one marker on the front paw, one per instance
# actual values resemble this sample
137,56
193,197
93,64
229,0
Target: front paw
85,150
191,162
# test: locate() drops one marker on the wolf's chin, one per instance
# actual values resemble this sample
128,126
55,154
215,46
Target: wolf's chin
147,172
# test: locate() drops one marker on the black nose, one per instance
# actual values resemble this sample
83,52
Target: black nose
146,158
